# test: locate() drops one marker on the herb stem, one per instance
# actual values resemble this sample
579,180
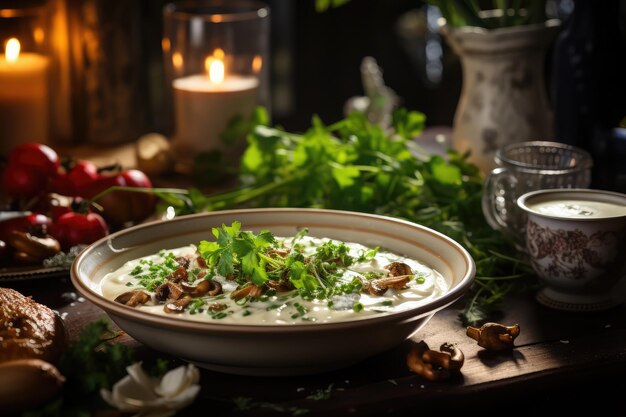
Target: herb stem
145,190
246,194
474,298
275,263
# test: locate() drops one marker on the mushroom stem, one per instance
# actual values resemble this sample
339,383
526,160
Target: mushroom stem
473,332
415,362
494,336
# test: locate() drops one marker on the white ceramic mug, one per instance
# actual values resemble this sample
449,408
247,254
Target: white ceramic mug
530,166
576,242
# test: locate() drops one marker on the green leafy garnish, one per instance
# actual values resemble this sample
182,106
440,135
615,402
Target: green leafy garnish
250,258
151,274
239,250
357,166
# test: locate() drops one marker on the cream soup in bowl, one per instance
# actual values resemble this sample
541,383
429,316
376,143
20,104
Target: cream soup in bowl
346,281
442,271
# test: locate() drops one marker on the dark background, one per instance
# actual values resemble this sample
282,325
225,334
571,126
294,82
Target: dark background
315,62
327,49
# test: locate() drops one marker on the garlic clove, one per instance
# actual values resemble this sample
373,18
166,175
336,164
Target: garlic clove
138,392
136,372
183,399
177,380
128,395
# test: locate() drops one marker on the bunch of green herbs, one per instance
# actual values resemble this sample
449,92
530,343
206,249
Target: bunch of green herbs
358,166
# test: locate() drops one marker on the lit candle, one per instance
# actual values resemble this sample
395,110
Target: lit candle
205,103
23,97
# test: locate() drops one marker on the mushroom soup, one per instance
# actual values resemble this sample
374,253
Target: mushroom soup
244,278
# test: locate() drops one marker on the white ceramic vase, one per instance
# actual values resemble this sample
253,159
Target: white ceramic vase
504,98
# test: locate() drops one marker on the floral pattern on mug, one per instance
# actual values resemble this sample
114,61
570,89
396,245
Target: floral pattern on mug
572,253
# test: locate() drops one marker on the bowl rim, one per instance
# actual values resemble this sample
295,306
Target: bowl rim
119,310
583,193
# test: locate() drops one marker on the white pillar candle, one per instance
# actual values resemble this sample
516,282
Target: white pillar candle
23,97
203,109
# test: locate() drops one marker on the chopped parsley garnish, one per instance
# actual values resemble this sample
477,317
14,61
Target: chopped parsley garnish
373,275
367,255
301,311
247,257
220,314
151,274
195,306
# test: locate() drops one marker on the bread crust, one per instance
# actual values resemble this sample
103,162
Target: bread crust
28,329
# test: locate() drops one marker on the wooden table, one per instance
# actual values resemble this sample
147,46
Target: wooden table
564,362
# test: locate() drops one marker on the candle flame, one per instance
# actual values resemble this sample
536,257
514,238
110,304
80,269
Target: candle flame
177,60
39,35
214,66
216,71
218,53
257,64
166,44
12,50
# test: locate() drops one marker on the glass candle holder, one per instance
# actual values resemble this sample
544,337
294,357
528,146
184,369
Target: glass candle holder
23,76
216,55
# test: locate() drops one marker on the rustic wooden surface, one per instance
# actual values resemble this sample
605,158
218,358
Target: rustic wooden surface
564,362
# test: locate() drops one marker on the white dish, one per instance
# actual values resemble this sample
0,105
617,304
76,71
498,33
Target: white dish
275,349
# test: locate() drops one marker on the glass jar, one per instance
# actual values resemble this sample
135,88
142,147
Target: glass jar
216,55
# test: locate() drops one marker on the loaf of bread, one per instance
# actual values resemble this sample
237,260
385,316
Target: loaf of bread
28,329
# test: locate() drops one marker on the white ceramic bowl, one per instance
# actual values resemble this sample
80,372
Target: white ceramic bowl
275,349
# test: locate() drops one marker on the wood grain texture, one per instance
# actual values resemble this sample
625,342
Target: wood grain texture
570,362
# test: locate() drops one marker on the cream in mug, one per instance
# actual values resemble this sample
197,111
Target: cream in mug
577,208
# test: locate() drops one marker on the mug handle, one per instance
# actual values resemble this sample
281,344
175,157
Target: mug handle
496,178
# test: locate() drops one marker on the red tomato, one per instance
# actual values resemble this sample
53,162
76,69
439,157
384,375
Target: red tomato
61,185
120,207
22,181
136,178
54,205
37,156
72,229
82,178
22,224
